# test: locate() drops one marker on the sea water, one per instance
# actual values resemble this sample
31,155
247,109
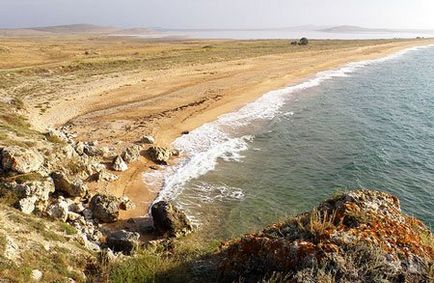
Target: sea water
368,124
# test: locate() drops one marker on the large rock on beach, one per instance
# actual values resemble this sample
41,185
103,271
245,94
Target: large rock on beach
169,220
74,188
105,208
159,155
20,160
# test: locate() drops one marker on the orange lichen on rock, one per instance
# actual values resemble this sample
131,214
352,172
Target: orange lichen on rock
359,236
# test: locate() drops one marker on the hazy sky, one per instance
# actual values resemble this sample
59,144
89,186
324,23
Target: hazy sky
219,13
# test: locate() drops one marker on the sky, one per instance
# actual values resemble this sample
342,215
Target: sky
219,13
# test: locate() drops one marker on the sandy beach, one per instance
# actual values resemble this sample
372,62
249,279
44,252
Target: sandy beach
153,92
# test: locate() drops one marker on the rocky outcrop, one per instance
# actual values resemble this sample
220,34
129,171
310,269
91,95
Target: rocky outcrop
20,160
74,188
159,155
123,241
119,164
169,220
105,208
360,236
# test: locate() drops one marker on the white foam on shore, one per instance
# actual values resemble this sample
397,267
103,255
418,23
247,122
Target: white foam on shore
202,147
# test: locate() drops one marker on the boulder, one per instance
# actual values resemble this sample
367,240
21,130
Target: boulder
93,167
79,148
59,210
56,135
104,175
105,208
20,160
123,241
126,204
303,41
148,140
159,154
119,164
33,194
92,150
27,205
41,189
36,275
169,220
74,188
131,154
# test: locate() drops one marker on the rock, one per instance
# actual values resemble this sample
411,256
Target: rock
76,207
105,208
303,41
185,132
93,167
56,135
358,236
123,241
170,221
36,275
174,152
20,160
92,150
59,210
79,148
131,154
27,205
71,189
87,213
33,194
72,216
41,189
119,164
159,154
106,176
126,203
11,249
148,140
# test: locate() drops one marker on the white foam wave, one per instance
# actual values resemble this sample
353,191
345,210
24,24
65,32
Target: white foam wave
202,147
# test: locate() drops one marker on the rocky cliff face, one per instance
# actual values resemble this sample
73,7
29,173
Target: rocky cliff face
360,236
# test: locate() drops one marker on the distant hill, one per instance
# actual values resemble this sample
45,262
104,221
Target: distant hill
357,29
76,29
354,29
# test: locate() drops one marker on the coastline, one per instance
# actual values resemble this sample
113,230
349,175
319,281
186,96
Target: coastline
170,95
171,136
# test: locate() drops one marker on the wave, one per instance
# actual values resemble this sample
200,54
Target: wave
203,147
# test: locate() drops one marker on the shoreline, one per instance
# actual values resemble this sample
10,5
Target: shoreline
172,136
284,93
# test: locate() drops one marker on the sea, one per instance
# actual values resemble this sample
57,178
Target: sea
367,124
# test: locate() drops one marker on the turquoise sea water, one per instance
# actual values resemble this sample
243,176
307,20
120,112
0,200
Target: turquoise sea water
364,126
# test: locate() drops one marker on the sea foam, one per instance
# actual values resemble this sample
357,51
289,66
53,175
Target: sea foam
202,147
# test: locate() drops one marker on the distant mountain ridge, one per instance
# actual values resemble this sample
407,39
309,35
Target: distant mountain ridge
75,29
357,29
